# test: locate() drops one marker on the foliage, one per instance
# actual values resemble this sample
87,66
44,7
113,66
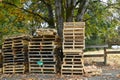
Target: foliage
100,23
25,16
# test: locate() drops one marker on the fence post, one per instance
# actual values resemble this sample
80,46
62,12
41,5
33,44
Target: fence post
105,56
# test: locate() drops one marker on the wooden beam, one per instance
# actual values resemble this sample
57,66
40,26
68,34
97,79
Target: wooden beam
113,52
97,46
93,55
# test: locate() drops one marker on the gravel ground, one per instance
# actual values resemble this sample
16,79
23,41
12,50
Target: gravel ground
109,72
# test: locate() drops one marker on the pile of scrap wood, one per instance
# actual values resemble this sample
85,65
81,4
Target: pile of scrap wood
92,70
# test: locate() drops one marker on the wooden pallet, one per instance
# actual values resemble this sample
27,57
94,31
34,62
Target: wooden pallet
72,71
72,60
7,39
42,59
13,70
73,43
42,48
34,43
73,46
19,45
7,46
20,41
72,68
72,51
14,56
43,70
72,74
49,67
23,49
73,36
26,37
74,24
8,70
73,31
46,31
41,55
44,38
14,67
18,37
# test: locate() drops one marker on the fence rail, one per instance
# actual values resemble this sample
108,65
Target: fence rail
105,53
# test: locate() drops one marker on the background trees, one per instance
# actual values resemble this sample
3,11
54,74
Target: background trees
25,16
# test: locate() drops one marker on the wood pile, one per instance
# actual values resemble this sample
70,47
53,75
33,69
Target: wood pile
14,52
41,52
73,45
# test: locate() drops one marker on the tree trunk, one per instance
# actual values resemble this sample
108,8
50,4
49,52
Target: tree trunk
70,5
50,13
51,17
82,9
59,16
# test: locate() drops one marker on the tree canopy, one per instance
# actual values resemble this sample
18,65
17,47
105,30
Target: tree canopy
25,16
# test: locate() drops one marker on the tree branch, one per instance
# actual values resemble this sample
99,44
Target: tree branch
70,5
50,13
31,12
82,9
108,6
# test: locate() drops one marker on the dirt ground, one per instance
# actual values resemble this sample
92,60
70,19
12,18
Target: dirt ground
111,71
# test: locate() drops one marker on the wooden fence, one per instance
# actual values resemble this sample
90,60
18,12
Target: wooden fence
105,52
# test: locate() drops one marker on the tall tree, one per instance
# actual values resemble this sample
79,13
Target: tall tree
98,15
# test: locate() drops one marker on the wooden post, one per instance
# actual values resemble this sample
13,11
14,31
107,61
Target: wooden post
105,56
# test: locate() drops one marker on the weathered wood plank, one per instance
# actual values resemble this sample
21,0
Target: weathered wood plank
97,46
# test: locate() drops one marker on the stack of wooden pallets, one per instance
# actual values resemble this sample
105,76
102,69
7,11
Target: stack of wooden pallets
15,54
73,45
41,53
